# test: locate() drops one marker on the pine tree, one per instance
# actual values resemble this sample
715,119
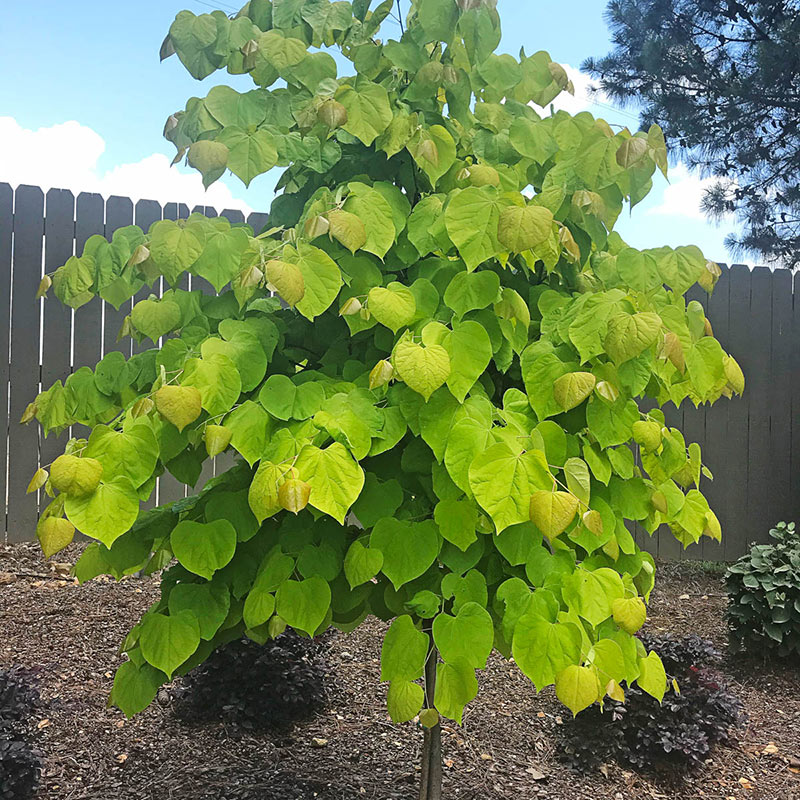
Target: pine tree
721,78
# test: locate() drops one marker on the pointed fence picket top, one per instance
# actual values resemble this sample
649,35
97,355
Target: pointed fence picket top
752,443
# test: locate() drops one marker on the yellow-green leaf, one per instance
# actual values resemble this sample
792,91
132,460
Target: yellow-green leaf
180,405
347,229
652,676
287,279
578,687
54,534
524,227
38,480
552,512
572,389
630,334
404,700
216,438
393,306
423,369
74,476
647,433
381,374
263,493
629,613
293,495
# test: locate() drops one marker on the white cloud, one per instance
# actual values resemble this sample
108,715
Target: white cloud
683,196
65,156
582,100
596,103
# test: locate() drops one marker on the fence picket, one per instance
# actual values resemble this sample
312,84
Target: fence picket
794,481
119,213
59,245
759,514
715,440
780,393
6,239
23,440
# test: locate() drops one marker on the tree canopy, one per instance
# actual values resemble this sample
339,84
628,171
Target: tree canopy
427,366
721,79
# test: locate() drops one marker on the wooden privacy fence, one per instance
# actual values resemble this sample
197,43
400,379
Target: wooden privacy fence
752,443
46,340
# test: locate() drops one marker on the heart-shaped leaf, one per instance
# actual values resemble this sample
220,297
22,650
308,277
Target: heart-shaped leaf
393,306
74,476
572,389
361,564
408,548
466,637
629,613
552,512
423,369
167,641
287,280
304,604
578,687
180,405
203,548
54,534
523,227
155,318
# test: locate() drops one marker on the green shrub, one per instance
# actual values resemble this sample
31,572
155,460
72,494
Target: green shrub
764,596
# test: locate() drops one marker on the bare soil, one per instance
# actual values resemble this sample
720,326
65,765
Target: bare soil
507,747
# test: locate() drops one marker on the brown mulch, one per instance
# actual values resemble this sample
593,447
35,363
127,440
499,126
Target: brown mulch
507,747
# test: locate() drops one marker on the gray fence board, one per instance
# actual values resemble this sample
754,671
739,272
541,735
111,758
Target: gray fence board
23,440
6,240
779,501
145,214
119,214
794,470
257,221
757,363
88,325
59,245
716,432
732,474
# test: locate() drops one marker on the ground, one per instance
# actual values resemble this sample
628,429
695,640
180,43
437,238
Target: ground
507,747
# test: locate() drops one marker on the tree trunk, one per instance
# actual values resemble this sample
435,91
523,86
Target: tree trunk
431,774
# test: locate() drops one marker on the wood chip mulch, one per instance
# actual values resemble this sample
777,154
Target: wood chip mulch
507,747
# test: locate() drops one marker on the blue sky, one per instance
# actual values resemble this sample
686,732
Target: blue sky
88,99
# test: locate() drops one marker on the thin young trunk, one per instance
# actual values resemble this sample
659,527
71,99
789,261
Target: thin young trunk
431,773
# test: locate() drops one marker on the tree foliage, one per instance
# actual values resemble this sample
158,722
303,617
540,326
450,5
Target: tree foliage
428,366
721,80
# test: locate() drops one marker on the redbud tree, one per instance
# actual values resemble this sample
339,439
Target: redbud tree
430,366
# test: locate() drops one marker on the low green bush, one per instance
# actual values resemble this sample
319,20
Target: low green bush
764,596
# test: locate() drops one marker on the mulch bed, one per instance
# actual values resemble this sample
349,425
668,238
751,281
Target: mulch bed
507,747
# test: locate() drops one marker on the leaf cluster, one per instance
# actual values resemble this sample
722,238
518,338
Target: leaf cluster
20,764
428,366
673,736
764,596
254,687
